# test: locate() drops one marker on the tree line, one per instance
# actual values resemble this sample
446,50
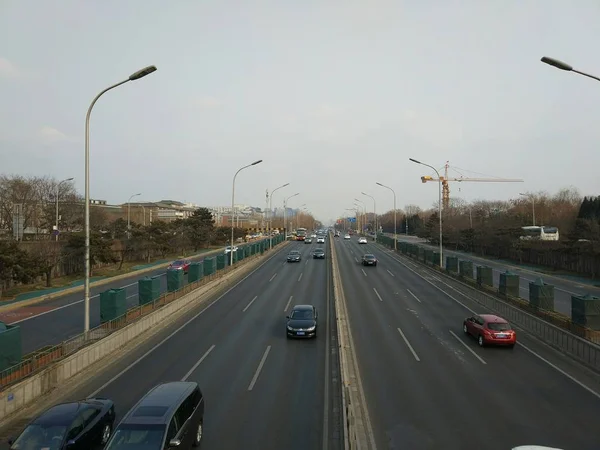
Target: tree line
493,228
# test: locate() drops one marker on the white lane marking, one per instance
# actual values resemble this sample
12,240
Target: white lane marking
306,262
195,366
249,304
355,259
137,361
533,352
300,277
435,278
467,347
408,345
273,277
377,294
259,368
417,298
390,273
363,271
288,303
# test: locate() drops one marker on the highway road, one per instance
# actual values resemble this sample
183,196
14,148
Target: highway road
428,386
262,390
563,287
54,321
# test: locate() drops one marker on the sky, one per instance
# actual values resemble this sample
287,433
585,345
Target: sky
332,95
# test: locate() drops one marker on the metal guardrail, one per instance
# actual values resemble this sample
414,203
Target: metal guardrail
38,360
584,349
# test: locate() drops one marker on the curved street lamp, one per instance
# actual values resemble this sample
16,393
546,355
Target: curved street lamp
86,281
233,206
566,67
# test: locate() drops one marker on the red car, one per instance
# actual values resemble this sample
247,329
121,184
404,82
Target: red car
180,264
490,330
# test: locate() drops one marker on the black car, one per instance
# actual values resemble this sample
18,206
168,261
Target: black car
302,322
81,425
369,260
294,256
170,415
319,253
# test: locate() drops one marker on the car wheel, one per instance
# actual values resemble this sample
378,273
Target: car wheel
511,346
465,329
480,341
375,265
106,432
199,434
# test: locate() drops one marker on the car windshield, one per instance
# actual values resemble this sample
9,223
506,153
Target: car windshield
178,263
138,437
498,326
295,252
369,256
41,436
302,314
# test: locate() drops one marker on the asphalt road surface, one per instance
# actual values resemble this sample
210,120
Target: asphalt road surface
54,321
262,390
563,287
429,386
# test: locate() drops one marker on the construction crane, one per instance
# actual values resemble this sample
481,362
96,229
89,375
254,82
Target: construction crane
446,188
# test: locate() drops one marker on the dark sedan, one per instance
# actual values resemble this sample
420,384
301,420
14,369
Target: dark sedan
180,264
369,260
294,256
302,322
319,253
82,425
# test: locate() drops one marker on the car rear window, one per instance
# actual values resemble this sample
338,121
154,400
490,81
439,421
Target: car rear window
498,326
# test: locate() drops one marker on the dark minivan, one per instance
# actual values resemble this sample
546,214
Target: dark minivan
170,415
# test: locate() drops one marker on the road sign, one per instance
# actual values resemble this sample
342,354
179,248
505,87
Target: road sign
352,219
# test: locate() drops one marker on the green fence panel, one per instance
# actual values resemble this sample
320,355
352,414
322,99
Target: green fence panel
485,276
11,351
436,258
452,264
466,269
509,284
174,280
402,246
221,262
196,271
247,251
541,295
429,256
210,266
585,311
148,289
113,304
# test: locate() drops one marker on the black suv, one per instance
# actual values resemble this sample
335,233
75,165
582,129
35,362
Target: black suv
170,415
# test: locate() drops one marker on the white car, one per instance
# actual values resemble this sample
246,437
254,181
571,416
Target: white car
362,240
320,240
313,235
347,236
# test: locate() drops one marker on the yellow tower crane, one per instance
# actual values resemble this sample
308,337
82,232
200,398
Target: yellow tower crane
446,188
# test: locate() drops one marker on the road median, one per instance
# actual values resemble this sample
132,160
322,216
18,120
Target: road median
79,359
356,421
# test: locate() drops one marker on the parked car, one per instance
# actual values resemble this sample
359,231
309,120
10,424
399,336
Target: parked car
490,329
80,425
170,415
180,264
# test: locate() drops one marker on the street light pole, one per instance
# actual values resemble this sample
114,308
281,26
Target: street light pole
364,213
439,205
129,215
271,212
285,214
532,204
566,67
57,193
395,223
298,215
233,207
86,283
374,212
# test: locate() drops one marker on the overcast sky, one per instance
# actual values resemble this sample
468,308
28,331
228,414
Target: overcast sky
333,95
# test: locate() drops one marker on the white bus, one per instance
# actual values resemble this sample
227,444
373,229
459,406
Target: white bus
540,233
